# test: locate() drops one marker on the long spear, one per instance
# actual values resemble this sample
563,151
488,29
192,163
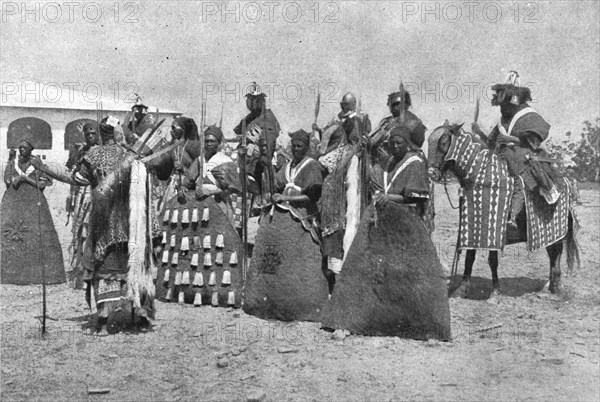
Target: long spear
200,180
98,119
41,260
316,138
364,160
402,102
456,259
317,106
221,119
270,172
242,161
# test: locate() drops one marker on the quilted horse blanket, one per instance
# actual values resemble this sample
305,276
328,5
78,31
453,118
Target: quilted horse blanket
487,195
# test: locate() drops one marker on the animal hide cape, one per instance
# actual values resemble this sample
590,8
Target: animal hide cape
140,285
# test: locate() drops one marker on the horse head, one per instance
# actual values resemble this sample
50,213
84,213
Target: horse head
439,143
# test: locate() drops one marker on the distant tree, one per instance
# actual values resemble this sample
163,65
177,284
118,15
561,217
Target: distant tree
583,152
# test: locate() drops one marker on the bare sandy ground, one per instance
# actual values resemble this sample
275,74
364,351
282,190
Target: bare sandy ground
529,346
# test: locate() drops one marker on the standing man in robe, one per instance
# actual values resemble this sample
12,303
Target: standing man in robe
342,141
120,268
80,199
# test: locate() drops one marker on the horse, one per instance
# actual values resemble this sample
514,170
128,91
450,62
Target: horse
487,187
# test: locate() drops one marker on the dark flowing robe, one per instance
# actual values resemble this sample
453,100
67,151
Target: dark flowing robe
133,133
162,167
380,136
23,251
392,282
258,122
408,178
523,159
285,279
258,175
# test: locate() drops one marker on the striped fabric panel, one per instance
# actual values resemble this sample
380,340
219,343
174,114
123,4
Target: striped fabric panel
547,224
487,196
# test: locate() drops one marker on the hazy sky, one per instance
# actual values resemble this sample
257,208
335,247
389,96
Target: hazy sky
173,52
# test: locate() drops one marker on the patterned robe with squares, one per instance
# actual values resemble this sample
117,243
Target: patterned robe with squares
201,256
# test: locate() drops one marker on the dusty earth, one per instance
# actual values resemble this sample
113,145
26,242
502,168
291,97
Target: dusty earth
529,346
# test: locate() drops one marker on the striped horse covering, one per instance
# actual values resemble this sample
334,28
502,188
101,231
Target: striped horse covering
488,192
488,189
547,224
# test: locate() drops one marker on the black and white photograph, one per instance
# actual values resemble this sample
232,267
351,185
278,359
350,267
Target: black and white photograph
300,200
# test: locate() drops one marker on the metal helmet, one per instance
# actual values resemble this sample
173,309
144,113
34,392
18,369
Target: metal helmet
511,91
350,100
139,104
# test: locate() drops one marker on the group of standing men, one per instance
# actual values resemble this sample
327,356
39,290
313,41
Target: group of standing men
116,217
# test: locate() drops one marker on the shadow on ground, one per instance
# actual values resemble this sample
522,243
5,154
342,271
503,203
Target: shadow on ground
481,288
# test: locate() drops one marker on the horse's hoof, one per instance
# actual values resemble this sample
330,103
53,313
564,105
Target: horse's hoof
100,331
546,288
493,297
460,291
556,289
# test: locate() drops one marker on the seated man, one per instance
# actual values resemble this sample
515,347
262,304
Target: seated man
398,103
517,138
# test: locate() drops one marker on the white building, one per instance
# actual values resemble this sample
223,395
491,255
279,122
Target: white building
58,106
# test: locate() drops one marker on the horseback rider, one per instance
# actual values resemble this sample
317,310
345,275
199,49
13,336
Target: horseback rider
140,122
262,130
399,118
354,125
517,138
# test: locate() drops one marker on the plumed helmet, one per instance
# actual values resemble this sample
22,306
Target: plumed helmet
511,91
138,104
254,92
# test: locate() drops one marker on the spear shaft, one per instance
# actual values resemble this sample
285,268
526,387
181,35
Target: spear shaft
40,250
244,178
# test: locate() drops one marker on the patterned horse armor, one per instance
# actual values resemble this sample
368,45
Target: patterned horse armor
488,189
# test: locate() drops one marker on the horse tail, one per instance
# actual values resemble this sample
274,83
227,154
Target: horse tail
572,245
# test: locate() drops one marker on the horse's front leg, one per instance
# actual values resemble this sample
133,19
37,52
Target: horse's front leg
554,253
493,261
465,283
